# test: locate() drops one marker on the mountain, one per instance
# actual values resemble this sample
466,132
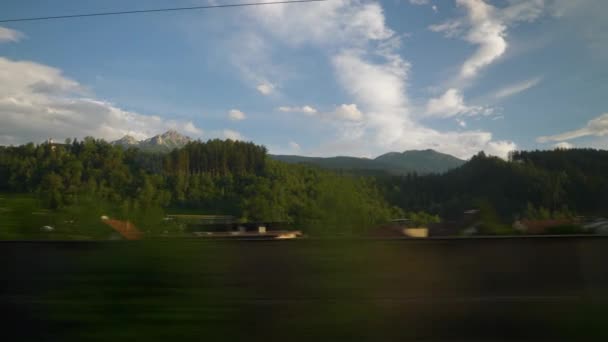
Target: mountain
169,140
158,143
423,161
329,163
420,161
126,141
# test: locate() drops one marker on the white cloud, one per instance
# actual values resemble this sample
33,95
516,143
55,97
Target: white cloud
9,35
304,109
380,89
517,88
190,128
450,28
331,22
265,88
38,102
522,10
424,2
595,127
294,146
487,32
232,135
500,148
290,148
563,145
250,53
461,123
451,103
419,2
363,52
236,115
348,112
486,26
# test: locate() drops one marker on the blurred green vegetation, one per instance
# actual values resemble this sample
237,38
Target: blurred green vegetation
79,181
537,184
24,216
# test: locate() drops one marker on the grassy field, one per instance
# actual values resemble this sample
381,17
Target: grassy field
23,216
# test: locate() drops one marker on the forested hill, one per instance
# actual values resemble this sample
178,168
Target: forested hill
532,184
238,178
396,163
213,177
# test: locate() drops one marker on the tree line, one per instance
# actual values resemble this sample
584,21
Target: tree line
238,178
530,184
214,177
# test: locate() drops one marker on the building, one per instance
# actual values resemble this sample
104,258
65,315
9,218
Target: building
225,226
399,228
536,227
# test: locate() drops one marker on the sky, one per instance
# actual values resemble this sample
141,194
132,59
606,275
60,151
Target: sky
340,77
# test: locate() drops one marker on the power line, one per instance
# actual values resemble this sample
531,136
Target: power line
171,9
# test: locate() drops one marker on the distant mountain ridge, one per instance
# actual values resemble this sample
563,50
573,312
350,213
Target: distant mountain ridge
167,141
419,161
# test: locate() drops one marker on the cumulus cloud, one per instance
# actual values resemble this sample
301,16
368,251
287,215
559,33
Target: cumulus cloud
486,26
323,23
595,127
232,135
381,89
563,145
304,109
517,88
451,103
461,123
38,102
236,115
9,35
500,148
363,52
348,112
265,88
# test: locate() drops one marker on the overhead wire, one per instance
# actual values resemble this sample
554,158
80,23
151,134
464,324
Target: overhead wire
170,9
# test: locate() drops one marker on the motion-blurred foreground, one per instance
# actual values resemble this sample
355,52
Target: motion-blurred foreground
330,290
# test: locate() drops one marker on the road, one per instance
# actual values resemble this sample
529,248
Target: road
303,290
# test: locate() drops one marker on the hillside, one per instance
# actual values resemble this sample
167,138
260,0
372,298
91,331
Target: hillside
420,161
392,163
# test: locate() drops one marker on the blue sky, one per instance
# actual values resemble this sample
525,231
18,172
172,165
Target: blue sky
340,77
